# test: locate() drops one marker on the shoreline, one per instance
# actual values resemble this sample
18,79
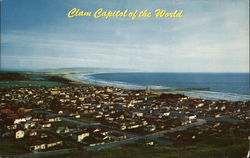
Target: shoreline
71,78
79,79
210,95
78,82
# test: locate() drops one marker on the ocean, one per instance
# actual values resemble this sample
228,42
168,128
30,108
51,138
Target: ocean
215,86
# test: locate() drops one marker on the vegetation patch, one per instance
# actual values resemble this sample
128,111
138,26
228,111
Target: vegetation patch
9,146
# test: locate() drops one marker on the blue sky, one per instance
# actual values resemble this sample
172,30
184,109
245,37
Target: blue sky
212,36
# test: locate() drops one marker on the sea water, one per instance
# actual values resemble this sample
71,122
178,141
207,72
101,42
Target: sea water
226,86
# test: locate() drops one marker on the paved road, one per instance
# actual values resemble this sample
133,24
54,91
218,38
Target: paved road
181,128
153,136
132,137
100,126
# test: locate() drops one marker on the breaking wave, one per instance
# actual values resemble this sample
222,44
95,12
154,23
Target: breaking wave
204,93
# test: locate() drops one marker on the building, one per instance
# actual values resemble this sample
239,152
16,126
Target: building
19,134
79,136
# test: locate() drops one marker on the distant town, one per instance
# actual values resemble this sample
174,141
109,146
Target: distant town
89,117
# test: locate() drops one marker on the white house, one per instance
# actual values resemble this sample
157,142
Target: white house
137,113
149,128
36,145
79,136
190,117
19,120
19,134
62,130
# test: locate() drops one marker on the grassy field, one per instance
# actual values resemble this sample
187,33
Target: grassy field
14,76
212,147
7,145
63,124
87,120
139,151
13,84
24,79
150,96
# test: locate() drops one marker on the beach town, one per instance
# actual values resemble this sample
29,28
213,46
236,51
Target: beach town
124,79
93,117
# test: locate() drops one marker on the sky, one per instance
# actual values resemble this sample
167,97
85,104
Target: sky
213,36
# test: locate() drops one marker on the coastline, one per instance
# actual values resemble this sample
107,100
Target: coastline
73,80
224,116
197,94
54,78
70,77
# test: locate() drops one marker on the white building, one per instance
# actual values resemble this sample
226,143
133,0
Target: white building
149,128
79,136
19,120
19,134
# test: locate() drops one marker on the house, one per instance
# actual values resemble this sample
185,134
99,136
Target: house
79,136
53,119
28,117
60,112
199,105
101,137
53,142
6,111
146,142
131,126
130,104
190,117
137,114
149,143
98,115
217,115
123,127
19,134
91,141
35,145
247,116
28,124
104,132
32,133
38,117
223,108
54,92
149,128
93,129
19,120
109,118
62,130
22,110
165,113
10,126
160,114
77,116
45,124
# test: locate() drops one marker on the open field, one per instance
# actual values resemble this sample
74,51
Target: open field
12,146
13,84
139,151
87,120
63,124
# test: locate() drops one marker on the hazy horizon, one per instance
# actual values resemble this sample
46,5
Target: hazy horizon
104,70
212,36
